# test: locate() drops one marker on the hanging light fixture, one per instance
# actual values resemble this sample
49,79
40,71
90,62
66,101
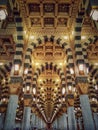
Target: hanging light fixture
70,88
63,91
63,99
4,100
1,63
34,91
81,68
16,69
32,37
94,14
94,99
34,99
96,87
23,89
74,89
59,100
28,88
3,14
26,71
71,71
3,9
94,9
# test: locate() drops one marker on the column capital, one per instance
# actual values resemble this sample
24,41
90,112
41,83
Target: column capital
27,100
94,109
82,88
32,108
3,108
15,84
81,79
94,106
70,99
16,79
82,84
15,88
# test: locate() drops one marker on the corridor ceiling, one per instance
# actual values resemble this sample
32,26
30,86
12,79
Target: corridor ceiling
42,18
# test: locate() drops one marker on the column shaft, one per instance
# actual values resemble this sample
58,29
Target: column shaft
38,122
80,124
58,124
11,113
55,124
61,123
96,120
33,120
71,119
65,121
86,112
26,118
1,121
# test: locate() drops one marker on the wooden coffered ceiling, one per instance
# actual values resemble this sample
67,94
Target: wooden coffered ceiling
7,48
49,52
51,17
40,18
48,13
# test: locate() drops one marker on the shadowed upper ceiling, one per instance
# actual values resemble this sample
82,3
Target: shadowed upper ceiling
52,18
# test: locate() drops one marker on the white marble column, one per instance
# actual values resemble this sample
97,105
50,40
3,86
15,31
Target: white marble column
80,123
96,120
11,113
2,120
26,118
87,113
72,125
65,121
33,120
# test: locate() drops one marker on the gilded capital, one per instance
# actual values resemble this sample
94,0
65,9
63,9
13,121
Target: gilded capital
27,102
33,109
15,88
83,88
70,101
94,109
3,109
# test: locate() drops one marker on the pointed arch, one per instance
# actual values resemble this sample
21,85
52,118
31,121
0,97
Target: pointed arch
65,46
55,68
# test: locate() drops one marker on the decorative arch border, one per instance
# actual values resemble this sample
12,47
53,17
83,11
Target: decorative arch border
85,45
6,68
93,72
52,39
56,69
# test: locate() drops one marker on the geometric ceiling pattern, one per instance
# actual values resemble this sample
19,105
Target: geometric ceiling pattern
48,70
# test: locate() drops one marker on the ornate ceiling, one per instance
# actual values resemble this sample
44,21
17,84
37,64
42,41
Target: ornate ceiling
49,81
50,17
7,47
41,18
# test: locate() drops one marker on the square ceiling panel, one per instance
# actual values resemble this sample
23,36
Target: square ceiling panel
49,8
35,21
34,7
87,22
49,21
10,19
63,8
48,13
7,47
62,21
